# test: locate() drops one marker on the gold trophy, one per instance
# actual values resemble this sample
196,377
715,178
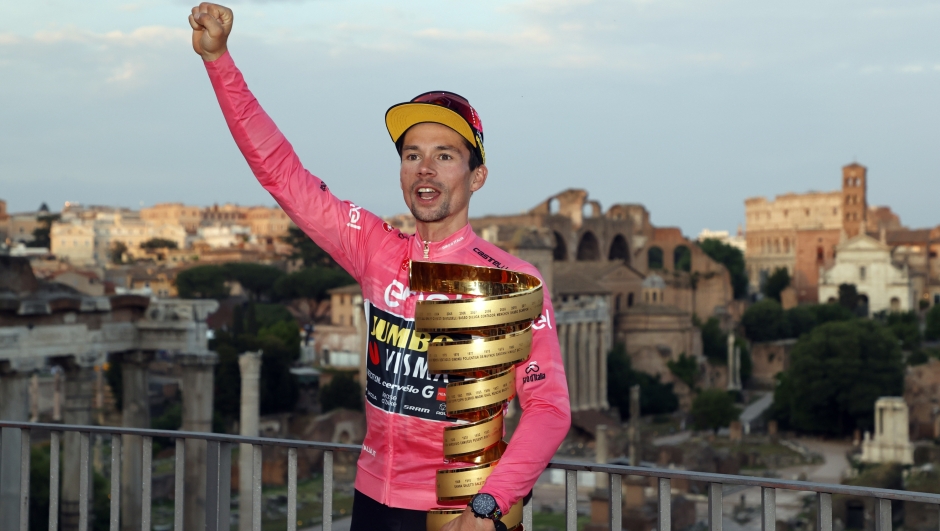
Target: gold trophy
498,316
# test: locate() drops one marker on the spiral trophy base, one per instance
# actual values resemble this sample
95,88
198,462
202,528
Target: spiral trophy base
499,320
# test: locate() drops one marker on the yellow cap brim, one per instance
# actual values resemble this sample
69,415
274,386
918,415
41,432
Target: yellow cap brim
404,115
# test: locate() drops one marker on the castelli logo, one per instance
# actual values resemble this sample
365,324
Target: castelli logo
404,265
387,227
374,354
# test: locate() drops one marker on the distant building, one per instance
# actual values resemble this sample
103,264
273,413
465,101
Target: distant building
21,226
866,263
800,232
87,236
189,217
891,442
737,241
268,223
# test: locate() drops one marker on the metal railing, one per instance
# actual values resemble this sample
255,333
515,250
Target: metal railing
218,484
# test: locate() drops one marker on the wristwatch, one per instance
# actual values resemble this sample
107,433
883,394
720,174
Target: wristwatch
484,505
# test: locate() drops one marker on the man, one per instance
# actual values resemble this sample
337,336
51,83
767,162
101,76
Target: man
440,139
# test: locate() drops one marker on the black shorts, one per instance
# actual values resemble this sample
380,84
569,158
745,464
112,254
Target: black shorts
370,515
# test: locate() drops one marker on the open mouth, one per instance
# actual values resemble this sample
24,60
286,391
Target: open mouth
426,193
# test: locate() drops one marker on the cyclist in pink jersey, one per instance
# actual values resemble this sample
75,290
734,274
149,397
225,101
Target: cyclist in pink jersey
440,139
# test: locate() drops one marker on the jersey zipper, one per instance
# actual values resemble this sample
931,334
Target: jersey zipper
427,250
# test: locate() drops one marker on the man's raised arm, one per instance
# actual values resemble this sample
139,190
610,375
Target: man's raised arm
339,227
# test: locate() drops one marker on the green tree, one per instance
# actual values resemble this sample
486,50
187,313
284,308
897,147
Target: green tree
733,260
655,397
836,373
158,243
714,342
311,283
343,391
776,283
765,321
713,409
228,380
257,279
932,330
116,252
906,327
308,251
848,297
202,282
41,232
685,369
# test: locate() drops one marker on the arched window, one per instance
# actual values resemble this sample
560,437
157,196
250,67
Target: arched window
589,248
561,250
629,300
619,250
895,304
682,257
654,258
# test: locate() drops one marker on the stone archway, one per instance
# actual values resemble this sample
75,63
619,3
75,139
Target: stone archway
589,248
682,258
619,250
560,253
654,258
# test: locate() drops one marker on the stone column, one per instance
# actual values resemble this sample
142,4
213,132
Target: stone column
14,406
56,394
79,390
584,377
605,348
198,387
571,352
34,398
733,369
600,456
634,433
593,369
250,365
135,413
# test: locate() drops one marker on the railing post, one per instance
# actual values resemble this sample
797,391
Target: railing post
327,491
10,467
54,443
768,504
179,482
571,500
527,513
882,515
116,448
615,495
218,485
291,489
256,472
715,515
84,479
665,504
823,511
25,450
146,469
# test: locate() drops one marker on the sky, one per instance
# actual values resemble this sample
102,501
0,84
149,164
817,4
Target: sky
685,106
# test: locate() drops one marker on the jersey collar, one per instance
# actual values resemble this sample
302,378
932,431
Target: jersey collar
450,244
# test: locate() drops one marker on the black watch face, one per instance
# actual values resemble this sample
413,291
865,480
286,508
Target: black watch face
483,504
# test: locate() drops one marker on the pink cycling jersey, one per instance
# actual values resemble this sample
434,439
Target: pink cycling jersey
403,446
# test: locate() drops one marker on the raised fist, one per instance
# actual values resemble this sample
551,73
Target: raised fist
211,25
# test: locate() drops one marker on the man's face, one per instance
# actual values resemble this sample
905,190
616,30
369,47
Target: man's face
435,173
